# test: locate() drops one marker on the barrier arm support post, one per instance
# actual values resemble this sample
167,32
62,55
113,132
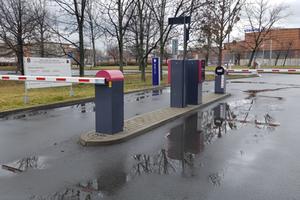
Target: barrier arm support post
109,102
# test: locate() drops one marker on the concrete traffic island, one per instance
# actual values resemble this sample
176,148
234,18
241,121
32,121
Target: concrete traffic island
144,123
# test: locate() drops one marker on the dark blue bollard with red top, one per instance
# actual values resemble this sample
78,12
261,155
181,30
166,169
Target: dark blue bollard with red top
109,101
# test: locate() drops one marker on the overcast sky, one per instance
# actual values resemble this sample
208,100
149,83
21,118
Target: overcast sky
293,20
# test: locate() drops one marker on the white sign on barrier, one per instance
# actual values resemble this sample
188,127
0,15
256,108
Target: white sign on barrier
34,66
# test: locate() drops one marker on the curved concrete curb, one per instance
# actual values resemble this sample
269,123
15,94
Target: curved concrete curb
144,123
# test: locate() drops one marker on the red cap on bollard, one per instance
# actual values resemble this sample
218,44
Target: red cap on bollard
111,75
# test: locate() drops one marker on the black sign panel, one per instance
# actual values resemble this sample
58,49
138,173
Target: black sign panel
220,70
180,20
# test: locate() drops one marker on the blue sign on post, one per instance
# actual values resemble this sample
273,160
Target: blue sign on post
155,71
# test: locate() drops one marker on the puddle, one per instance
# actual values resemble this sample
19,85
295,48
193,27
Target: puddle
253,93
107,183
178,156
81,192
216,178
23,165
266,83
24,115
141,96
185,142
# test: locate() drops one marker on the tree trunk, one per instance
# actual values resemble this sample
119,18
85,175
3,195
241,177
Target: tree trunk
161,35
277,58
93,43
120,34
286,55
20,54
141,43
21,62
251,57
94,53
220,56
161,57
143,77
42,41
81,51
161,52
121,56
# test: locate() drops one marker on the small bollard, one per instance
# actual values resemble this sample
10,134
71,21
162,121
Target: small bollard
109,102
220,80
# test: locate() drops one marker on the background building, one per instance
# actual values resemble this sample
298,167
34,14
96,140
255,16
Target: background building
280,47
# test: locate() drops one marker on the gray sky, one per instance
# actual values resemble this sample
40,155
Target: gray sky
292,21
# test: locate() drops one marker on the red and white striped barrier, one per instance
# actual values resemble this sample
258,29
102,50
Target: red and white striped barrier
263,70
53,79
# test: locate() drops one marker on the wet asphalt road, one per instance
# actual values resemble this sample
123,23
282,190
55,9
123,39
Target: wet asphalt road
208,155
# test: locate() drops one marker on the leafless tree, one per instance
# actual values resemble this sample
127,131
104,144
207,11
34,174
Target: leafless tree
288,47
113,51
75,14
143,32
119,14
262,15
95,30
42,32
17,23
224,15
150,29
204,27
161,10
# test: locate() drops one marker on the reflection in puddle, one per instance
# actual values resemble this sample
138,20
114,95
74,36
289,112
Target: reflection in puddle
216,178
140,96
254,93
24,115
109,181
157,92
185,142
23,165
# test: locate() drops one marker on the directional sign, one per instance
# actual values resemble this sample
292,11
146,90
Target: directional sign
180,20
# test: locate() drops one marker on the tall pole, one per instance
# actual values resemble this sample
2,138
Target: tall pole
184,57
263,60
271,52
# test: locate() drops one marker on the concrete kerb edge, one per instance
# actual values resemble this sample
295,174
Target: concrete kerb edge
148,128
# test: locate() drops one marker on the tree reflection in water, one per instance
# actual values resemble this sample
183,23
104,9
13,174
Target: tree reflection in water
185,142
22,165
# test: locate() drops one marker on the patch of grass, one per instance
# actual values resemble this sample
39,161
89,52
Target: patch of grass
8,68
149,68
